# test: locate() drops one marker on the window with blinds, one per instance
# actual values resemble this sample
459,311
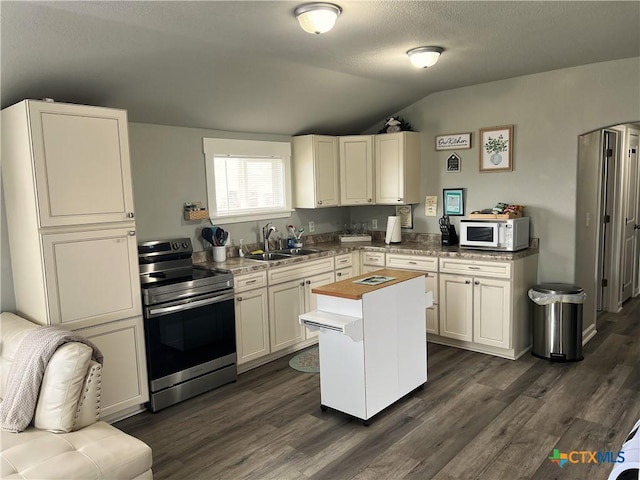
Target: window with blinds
247,180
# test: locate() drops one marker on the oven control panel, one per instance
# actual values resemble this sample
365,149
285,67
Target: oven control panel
165,247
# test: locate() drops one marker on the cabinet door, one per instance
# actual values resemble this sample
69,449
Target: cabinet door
431,285
456,307
82,165
492,312
252,325
344,273
311,298
356,170
286,302
124,372
389,169
326,171
91,276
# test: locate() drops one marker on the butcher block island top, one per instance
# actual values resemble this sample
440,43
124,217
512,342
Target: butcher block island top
354,291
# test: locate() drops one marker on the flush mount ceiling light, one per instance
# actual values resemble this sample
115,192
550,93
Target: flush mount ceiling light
317,17
423,57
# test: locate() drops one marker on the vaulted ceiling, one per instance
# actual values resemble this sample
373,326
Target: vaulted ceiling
248,66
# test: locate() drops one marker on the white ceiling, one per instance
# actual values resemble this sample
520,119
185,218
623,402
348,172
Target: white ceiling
248,66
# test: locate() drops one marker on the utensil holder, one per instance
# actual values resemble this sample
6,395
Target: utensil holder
219,254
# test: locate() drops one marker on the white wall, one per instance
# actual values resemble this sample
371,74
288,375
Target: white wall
168,169
549,111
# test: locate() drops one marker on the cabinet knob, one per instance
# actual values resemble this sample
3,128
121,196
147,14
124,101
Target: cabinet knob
239,299
370,200
476,282
308,282
399,199
319,202
467,282
130,215
132,233
302,284
338,274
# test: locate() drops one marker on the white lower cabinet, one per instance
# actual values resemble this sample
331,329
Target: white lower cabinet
124,372
426,264
371,261
252,316
484,305
290,295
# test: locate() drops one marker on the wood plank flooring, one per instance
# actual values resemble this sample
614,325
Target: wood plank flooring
478,417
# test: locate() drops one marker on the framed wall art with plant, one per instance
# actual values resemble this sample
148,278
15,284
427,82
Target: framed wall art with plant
496,149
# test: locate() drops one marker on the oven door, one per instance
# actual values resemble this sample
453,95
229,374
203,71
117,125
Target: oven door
479,234
186,339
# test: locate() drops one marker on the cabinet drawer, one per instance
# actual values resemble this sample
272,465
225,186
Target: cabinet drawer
242,283
476,267
300,270
412,262
373,258
345,260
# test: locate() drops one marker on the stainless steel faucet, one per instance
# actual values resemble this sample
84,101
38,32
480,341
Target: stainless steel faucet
266,231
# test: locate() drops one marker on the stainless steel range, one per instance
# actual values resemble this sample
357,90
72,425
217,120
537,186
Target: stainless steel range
189,323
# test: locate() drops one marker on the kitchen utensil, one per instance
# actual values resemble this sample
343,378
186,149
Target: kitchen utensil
218,234
207,234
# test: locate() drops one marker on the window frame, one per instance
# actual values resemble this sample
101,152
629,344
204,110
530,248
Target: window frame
246,148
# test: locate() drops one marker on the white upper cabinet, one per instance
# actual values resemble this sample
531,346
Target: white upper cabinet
315,171
78,156
356,170
397,168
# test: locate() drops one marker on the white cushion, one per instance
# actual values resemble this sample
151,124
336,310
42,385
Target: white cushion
98,451
61,387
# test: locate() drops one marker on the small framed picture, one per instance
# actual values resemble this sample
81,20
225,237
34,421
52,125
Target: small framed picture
453,163
453,203
496,149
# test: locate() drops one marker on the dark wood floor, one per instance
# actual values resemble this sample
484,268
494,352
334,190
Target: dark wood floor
478,417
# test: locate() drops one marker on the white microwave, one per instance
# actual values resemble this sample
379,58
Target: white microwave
506,235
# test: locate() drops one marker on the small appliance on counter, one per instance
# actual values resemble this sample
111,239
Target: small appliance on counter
449,236
508,235
393,230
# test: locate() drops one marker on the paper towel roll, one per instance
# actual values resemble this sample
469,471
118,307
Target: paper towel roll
393,230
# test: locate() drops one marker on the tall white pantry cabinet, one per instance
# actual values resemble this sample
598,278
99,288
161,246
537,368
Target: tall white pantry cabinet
68,196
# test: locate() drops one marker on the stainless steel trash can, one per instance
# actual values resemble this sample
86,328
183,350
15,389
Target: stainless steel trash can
557,321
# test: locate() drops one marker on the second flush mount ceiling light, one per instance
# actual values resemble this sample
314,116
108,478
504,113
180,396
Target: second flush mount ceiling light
423,57
317,17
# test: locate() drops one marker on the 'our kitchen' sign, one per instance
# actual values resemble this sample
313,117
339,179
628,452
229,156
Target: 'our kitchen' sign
453,141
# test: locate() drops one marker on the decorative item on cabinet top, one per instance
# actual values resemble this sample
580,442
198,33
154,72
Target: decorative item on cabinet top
195,211
396,124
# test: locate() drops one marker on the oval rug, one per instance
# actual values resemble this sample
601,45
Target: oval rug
306,361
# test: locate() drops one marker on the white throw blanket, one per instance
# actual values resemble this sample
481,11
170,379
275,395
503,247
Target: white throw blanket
27,371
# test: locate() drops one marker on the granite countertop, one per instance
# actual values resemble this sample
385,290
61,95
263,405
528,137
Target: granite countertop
238,265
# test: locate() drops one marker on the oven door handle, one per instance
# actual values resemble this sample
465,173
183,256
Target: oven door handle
154,312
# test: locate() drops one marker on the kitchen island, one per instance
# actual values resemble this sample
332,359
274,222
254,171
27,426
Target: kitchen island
373,349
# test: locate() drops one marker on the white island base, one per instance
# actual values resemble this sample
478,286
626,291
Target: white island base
373,349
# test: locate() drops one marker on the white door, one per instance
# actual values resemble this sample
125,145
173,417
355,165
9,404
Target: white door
389,167
456,307
326,170
356,170
83,172
252,325
629,248
311,298
124,372
286,302
492,312
91,276
431,285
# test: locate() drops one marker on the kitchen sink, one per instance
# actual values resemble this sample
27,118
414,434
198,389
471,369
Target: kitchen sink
281,254
298,251
267,256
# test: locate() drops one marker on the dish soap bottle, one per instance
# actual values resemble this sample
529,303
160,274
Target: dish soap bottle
291,238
